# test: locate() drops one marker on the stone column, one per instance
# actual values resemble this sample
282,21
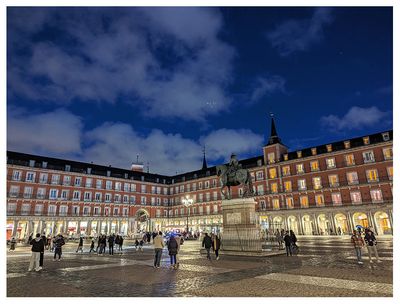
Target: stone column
15,226
89,227
333,224
98,227
371,221
39,228
78,228
316,226
350,222
301,231
389,212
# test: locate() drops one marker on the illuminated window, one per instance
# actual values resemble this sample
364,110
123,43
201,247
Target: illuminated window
298,154
333,180
302,184
304,201
314,165
390,172
300,168
285,156
355,197
272,173
289,202
330,163
317,183
386,136
347,144
366,140
349,159
271,158
352,178
376,195
336,199
368,157
319,200
329,148
314,151
260,189
286,170
274,188
288,186
260,175
388,153
275,203
372,175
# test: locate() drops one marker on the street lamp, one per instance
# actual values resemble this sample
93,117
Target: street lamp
187,201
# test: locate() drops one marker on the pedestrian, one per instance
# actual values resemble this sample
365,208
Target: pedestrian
278,238
141,243
30,238
371,242
288,243
37,247
216,245
80,245
59,242
111,244
358,243
117,242
13,241
136,244
172,251
158,247
293,238
98,243
103,244
207,243
42,252
121,241
92,246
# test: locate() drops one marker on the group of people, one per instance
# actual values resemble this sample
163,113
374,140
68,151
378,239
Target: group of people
173,244
368,240
289,239
102,240
38,247
214,242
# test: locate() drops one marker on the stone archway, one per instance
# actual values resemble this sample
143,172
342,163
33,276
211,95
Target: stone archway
293,224
307,225
324,225
382,223
277,223
360,219
341,224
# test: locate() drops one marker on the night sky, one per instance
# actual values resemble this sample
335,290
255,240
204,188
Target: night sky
108,84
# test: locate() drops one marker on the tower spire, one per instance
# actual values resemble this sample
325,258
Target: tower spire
204,158
273,139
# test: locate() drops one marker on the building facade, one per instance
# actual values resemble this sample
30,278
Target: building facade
328,189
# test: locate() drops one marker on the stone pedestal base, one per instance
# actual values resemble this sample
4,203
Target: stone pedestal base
240,230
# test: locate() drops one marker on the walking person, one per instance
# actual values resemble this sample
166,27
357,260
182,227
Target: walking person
358,243
216,245
111,244
42,252
293,238
207,244
59,242
370,242
13,241
98,243
158,248
91,247
121,241
80,245
288,243
103,244
173,251
37,247
278,238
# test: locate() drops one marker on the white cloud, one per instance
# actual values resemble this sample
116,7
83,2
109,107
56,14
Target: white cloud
268,85
355,118
298,35
57,132
123,52
60,134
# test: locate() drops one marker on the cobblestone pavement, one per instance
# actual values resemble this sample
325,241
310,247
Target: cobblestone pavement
325,266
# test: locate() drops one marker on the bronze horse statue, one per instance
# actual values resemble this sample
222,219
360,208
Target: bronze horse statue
239,177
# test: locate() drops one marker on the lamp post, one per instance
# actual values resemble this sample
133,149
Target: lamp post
187,201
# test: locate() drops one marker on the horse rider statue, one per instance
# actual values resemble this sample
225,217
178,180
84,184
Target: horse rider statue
233,167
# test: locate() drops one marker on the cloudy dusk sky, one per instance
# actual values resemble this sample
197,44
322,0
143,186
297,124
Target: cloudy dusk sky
103,85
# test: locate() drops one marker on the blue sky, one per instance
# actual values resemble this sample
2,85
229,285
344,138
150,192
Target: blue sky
107,84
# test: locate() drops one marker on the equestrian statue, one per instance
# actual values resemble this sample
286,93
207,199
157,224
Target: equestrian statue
233,175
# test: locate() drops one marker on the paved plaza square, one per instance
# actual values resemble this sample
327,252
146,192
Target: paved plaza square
325,266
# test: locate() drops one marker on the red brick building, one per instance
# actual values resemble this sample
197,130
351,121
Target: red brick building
325,189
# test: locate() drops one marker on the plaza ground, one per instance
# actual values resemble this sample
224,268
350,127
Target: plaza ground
325,266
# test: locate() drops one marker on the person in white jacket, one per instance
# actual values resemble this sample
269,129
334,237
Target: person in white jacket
158,242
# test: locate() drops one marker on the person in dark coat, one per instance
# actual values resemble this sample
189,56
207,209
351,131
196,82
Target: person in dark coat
91,246
80,245
37,247
121,241
173,251
58,243
288,243
216,245
293,238
207,244
111,244
42,252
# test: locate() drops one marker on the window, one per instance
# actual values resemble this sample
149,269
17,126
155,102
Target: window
302,184
260,189
200,185
78,181
143,200
271,158
390,173
63,210
52,209
143,188
289,202
200,209
372,175
117,198
355,197
12,209
215,208
88,196
126,187
288,186
66,180
30,177
317,183
118,186
215,195
304,201
26,208
116,211
314,165
106,211
200,197
272,173
181,189
43,178
38,209
88,183
41,193
352,178
99,184
75,210
53,194
108,197
388,153
76,196
286,170
126,199
214,182
260,175
96,211
126,211
333,180
86,210
64,194
330,163
97,197
376,195
314,151
206,184
386,136
274,188
14,191
109,185
133,187
300,168
366,140
16,175
28,192
349,158
347,144
319,200
368,157
275,204
208,209
336,199
194,187
262,205
132,199
55,179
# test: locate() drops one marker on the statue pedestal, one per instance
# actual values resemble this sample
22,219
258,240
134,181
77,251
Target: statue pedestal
241,233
